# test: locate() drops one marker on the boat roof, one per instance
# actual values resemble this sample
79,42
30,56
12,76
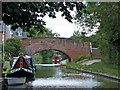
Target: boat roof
26,56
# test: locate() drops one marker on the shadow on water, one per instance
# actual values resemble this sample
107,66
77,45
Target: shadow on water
61,78
45,72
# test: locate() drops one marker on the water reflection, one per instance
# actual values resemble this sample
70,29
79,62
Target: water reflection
55,77
45,72
65,82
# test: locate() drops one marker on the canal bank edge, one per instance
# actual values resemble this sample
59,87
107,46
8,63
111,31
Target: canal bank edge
95,73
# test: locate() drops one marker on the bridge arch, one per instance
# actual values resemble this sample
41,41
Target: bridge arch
71,47
68,56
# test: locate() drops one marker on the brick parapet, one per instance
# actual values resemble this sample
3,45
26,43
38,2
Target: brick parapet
71,47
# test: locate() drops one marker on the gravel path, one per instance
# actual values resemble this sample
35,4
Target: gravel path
84,63
90,62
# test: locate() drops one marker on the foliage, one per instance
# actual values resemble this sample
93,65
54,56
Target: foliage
82,36
78,35
47,55
13,46
108,34
46,33
22,50
83,58
93,41
6,57
80,58
88,19
105,13
25,14
37,59
6,69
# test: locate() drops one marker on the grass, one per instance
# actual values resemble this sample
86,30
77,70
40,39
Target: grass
98,67
68,71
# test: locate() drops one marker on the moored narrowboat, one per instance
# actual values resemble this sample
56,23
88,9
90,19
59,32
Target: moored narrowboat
56,59
22,66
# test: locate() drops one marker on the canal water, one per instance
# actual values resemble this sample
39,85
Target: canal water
48,77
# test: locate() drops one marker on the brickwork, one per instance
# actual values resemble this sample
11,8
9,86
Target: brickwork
71,47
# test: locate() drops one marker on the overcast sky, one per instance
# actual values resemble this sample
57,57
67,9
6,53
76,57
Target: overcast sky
60,25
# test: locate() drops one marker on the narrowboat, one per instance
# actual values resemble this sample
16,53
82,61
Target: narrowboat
22,66
56,58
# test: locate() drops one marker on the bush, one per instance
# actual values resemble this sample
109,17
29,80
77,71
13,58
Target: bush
88,57
6,69
80,58
13,46
6,57
84,60
83,57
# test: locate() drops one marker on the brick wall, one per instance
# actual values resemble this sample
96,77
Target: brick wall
71,47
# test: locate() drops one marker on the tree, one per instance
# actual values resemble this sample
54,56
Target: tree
47,33
89,18
108,35
13,46
79,35
25,14
82,36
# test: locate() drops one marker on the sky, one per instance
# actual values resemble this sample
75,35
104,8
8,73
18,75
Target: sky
60,25
63,27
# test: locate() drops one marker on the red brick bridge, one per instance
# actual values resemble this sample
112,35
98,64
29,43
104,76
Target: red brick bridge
73,48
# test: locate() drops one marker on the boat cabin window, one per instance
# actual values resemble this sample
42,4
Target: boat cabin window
29,62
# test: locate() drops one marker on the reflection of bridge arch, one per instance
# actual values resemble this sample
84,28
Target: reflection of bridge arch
69,57
71,47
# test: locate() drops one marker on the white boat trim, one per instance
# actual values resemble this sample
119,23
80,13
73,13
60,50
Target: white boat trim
15,80
47,65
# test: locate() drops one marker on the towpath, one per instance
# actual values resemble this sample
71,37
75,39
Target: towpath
91,62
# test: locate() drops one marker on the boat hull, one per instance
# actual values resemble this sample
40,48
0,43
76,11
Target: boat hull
16,80
21,73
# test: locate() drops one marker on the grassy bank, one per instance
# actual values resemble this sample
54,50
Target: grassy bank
98,67
68,71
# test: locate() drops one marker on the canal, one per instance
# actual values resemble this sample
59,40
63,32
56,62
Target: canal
48,77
